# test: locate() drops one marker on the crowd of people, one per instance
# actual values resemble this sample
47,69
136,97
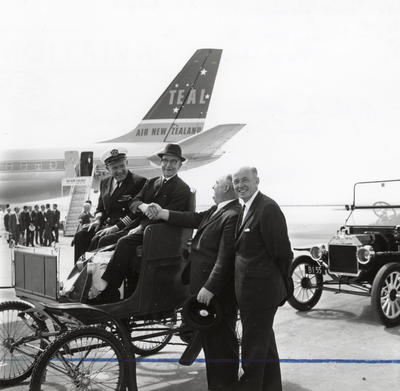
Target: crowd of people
32,225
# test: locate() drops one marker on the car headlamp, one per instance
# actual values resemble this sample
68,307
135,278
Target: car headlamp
317,252
364,254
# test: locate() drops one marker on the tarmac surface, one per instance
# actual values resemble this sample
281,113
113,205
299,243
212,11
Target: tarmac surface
339,345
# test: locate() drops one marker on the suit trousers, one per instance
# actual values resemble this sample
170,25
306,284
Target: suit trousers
82,242
260,358
38,235
221,352
55,230
124,262
48,236
29,237
16,233
111,238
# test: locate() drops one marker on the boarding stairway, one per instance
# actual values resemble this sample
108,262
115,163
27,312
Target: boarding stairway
79,194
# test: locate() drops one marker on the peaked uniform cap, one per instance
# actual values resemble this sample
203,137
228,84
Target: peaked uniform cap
113,154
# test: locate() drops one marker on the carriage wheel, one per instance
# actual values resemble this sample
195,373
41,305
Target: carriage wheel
307,287
87,358
385,296
147,344
17,356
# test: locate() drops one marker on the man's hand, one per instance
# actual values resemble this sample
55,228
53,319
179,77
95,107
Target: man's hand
94,225
107,231
136,230
204,296
150,210
153,211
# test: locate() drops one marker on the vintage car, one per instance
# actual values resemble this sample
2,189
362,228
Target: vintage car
362,258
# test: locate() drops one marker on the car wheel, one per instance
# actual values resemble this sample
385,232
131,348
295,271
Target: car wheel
307,287
385,296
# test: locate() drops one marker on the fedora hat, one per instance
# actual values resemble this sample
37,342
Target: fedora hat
172,149
200,316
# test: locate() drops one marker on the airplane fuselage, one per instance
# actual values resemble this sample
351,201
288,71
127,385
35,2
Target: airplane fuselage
36,174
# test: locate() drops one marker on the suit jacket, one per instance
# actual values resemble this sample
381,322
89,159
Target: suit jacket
24,220
49,218
34,217
13,222
7,221
114,205
40,219
173,195
212,254
263,254
56,219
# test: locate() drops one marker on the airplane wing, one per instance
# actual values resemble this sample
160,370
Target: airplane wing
205,144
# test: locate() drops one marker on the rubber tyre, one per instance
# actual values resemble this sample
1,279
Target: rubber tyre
9,311
305,298
52,360
385,286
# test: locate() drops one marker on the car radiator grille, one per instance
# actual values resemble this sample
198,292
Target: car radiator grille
343,259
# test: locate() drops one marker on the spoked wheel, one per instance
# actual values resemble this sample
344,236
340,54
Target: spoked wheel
145,341
307,287
385,296
87,358
19,346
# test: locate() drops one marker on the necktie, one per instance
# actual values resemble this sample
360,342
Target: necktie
163,182
242,215
117,185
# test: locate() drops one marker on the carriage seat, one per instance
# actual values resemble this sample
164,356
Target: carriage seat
160,288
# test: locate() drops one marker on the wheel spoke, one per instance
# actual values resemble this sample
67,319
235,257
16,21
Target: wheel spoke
296,273
385,306
396,306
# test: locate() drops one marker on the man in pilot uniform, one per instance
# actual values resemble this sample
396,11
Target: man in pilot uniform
112,210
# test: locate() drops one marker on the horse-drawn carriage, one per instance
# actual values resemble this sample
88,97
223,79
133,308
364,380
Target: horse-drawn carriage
94,347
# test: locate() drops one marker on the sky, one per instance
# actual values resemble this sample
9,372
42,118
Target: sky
316,82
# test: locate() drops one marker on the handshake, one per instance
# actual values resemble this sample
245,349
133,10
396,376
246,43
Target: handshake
154,211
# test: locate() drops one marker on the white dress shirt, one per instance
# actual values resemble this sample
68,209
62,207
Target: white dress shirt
248,205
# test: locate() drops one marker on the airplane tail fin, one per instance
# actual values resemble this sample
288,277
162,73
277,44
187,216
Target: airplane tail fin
181,110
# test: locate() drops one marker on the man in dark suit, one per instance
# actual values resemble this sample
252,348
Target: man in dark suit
36,216
169,191
24,224
7,223
30,230
212,259
112,210
15,226
41,223
48,226
56,222
263,257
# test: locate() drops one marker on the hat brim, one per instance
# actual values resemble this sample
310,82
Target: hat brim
160,155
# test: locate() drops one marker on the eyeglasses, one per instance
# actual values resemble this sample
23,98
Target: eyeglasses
173,162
